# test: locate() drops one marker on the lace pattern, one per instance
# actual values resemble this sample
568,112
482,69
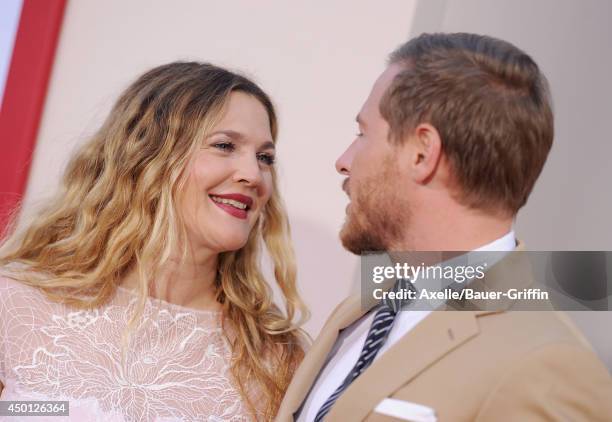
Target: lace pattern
176,368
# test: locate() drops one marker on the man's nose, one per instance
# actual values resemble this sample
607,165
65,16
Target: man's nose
343,163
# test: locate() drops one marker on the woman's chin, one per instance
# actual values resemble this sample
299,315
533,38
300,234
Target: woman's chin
231,245
226,241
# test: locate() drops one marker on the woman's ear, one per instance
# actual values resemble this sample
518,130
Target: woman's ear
425,150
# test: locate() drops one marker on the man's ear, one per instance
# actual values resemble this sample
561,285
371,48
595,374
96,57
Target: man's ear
425,152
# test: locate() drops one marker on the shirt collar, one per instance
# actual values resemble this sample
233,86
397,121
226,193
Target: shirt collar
506,243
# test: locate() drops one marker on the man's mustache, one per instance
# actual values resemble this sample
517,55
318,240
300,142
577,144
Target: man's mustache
345,187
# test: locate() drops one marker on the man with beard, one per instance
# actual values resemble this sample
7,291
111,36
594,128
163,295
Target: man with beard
451,141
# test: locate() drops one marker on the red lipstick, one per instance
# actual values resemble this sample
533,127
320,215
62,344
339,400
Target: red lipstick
230,209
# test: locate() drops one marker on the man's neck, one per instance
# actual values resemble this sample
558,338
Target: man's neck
448,231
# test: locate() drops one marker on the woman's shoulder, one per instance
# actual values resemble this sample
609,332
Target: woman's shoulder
16,296
9,282
10,276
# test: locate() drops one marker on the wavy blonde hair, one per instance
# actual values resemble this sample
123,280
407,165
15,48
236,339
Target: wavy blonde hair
117,212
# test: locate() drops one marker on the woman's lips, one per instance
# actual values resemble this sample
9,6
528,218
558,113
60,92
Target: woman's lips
243,201
238,213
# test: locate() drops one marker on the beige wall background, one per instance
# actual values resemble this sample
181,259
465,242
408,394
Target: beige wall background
318,62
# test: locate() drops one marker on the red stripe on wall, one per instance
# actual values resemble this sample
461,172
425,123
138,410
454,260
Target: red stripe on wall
24,96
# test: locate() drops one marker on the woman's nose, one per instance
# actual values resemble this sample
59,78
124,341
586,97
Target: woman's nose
248,171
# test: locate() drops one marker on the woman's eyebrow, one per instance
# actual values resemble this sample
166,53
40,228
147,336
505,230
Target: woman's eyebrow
268,145
240,137
228,132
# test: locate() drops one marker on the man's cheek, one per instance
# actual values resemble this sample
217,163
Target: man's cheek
361,165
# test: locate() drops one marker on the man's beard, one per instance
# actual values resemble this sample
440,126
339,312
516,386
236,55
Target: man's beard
378,215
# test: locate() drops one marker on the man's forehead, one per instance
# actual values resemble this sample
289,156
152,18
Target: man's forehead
380,87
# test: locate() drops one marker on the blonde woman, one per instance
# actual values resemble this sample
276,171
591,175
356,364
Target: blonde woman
137,294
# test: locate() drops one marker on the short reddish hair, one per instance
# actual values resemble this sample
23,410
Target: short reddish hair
490,104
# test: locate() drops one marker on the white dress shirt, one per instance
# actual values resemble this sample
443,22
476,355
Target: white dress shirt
347,348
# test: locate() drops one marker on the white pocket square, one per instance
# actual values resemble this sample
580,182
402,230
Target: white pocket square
406,410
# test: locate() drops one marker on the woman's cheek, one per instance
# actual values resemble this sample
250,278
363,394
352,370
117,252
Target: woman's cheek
268,186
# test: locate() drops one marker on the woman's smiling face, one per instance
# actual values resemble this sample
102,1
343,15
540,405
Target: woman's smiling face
230,177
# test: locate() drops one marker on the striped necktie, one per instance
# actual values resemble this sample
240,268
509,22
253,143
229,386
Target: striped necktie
377,335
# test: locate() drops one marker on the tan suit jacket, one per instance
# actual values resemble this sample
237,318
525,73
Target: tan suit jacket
470,365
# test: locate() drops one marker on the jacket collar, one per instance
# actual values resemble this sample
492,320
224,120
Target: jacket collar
429,341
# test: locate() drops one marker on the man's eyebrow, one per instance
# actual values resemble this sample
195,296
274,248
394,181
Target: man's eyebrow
359,120
240,137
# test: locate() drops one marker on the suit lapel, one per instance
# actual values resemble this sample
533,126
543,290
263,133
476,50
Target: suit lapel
348,312
428,342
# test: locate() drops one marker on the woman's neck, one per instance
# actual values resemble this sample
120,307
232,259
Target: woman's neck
189,283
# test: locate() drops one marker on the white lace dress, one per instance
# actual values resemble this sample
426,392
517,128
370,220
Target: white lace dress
177,368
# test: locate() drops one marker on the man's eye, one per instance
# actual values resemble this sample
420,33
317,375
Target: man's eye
359,134
224,146
265,158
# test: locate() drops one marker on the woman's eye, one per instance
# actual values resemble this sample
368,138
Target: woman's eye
359,134
224,146
265,158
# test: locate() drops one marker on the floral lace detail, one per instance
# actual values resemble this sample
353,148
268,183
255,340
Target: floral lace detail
176,368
